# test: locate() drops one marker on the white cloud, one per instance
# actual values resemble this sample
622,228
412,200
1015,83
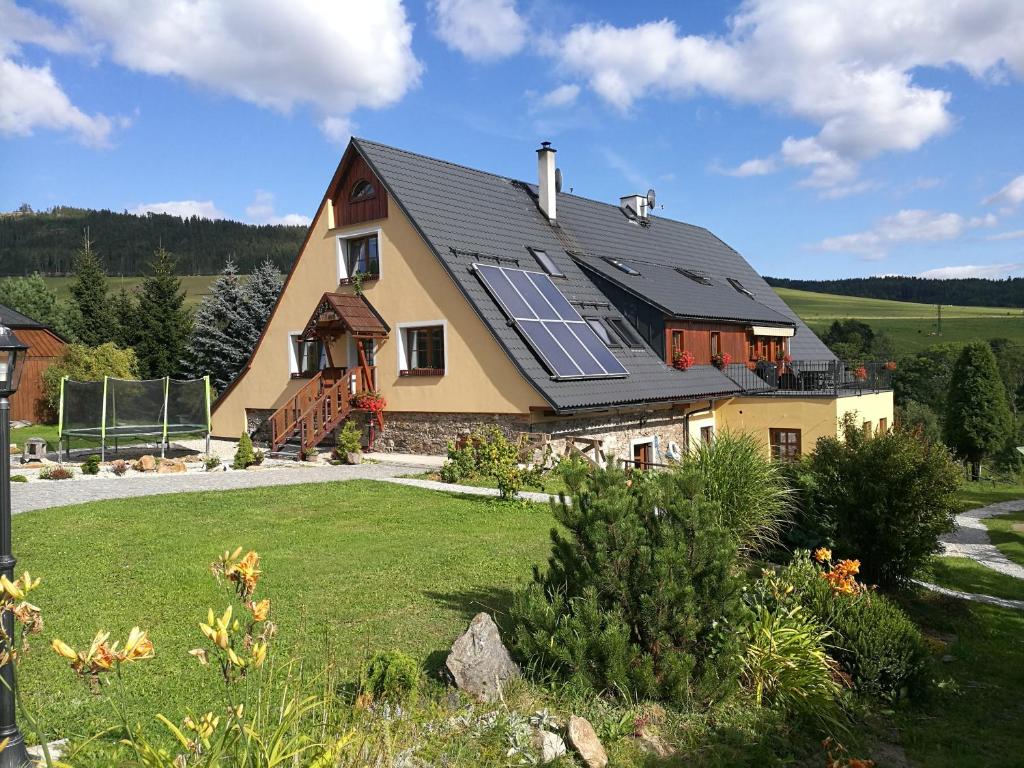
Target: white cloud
31,98
629,171
261,211
847,66
480,30
1015,234
337,129
1012,194
972,270
336,56
204,209
904,227
758,166
562,96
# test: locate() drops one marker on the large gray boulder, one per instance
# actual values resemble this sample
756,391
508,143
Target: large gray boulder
584,740
479,663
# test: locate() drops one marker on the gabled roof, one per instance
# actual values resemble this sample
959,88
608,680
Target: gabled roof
353,313
469,216
15,320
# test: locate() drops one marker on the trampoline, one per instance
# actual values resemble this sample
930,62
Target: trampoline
122,411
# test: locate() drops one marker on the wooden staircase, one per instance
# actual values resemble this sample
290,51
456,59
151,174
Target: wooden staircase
311,415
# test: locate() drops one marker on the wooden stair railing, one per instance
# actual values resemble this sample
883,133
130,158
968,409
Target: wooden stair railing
324,415
296,415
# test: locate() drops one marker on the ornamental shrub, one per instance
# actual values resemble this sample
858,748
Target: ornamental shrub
460,465
883,499
642,596
244,456
57,472
488,454
119,467
91,466
19,479
391,675
874,641
348,441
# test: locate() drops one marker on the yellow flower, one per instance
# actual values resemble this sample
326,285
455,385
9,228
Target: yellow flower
12,588
259,654
63,649
245,573
234,658
260,610
138,646
823,554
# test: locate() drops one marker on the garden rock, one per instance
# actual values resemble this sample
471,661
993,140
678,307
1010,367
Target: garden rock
549,745
652,743
584,740
146,463
354,458
171,466
479,662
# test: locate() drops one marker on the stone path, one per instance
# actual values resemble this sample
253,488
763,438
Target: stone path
970,539
59,493
1002,602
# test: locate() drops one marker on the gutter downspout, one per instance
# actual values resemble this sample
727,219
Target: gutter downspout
686,420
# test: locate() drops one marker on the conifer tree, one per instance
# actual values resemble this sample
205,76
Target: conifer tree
261,292
978,420
92,321
163,322
126,318
222,335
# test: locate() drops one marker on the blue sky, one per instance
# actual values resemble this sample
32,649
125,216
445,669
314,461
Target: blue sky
822,139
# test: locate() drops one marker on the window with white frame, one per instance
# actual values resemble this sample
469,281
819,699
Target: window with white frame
359,254
422,349
305,357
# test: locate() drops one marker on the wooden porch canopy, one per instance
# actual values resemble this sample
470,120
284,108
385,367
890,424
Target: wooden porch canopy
338,313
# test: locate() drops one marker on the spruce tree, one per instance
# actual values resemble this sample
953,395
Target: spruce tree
92,320
261,292
978,419
126,318
222,335
163,321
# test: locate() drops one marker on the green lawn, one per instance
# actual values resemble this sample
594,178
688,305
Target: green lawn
912,326
358,566
550,483
1002,532
983,493
196,286
966,575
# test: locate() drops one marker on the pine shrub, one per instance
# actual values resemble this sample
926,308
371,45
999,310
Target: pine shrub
349,440
244,456
642,594
391,676
91,466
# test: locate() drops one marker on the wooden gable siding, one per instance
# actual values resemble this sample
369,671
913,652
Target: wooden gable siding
375,207
696,339
44,347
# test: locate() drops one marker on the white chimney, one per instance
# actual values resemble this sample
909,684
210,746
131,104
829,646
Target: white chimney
546,179
634,205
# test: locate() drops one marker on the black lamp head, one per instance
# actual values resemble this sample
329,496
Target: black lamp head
12,361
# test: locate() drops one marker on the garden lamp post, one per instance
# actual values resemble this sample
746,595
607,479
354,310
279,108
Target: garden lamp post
12,361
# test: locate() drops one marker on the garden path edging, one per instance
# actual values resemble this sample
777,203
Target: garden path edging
970,539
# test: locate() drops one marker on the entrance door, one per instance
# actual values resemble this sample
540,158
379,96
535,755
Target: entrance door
643,455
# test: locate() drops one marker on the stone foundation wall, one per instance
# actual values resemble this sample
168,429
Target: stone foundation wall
429,433
617,432
258,423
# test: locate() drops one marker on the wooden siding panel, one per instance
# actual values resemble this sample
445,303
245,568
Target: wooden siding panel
347,213
696,336
28,403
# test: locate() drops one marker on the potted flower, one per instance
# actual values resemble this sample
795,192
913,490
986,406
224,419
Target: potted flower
860,373
682,360
370,401
722,360
890,365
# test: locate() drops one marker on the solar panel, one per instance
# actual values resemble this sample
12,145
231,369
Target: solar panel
552,327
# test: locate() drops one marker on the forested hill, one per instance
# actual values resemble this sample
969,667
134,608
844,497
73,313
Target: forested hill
46,242
973,291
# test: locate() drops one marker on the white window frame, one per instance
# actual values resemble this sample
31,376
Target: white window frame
341,250
293,356
651,440
403,327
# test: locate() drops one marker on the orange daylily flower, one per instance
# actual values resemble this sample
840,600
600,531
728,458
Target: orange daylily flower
823,554
260,610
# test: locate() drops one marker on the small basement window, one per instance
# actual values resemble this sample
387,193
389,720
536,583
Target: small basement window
697,277
545,262
362,190
423,351
625,332
602,332
621,266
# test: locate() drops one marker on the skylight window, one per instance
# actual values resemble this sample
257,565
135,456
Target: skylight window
545,262
697,277
602,332
625,332
739,287
621,266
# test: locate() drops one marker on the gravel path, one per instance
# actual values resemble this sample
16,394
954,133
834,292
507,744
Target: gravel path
59,493
1002,602
970,539
472,490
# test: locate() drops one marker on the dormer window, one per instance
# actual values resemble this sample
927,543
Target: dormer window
362,190
697,277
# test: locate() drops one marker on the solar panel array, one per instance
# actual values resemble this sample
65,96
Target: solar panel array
552,327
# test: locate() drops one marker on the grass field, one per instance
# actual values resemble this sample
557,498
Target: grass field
968,576
911,326
1007,533
196,286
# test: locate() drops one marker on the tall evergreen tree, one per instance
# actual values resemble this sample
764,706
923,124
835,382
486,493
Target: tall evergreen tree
92,321
978,420
261,292
163,321
126,318
222,335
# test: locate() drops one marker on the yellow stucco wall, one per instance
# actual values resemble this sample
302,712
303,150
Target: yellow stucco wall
815,417
413,288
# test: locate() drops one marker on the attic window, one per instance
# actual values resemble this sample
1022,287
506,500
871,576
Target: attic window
625,332
621,266
545,262
362,190
697,277
609,339
739,287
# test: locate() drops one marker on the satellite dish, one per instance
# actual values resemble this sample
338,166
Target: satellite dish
650,199
558,179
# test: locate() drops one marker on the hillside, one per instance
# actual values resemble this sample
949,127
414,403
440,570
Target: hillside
912,326
972,291
46,242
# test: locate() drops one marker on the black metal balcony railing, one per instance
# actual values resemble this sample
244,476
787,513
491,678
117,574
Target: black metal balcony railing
822,377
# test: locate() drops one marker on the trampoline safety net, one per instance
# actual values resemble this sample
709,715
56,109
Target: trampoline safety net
119,409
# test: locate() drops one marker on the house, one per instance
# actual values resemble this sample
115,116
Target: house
44,347
465,299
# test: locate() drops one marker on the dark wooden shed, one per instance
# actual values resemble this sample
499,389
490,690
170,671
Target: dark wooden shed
44,347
